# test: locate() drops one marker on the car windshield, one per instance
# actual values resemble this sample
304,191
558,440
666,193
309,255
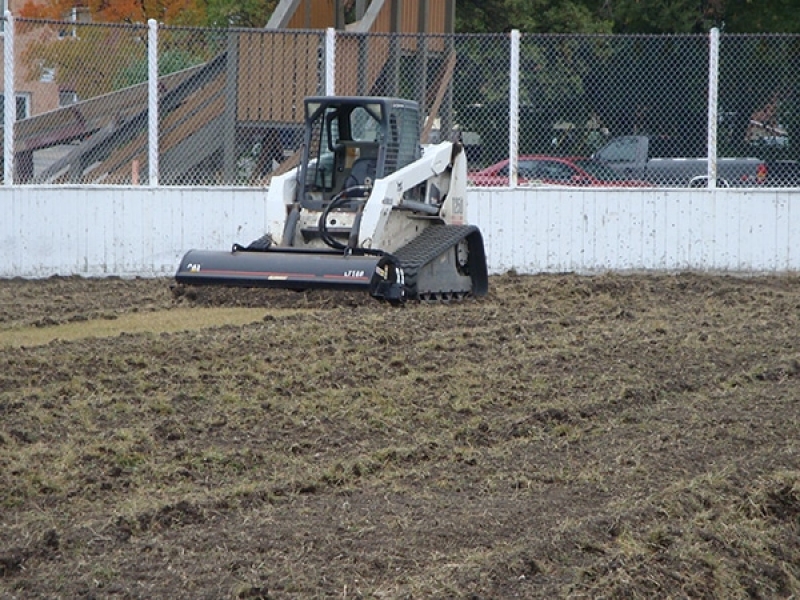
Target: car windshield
598,170
525,169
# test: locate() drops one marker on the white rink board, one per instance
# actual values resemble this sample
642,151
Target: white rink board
140,231
593,231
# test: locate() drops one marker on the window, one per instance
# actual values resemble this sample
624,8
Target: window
48,75
23,106
528,169
364,126
3,22
403,147
599,170
67,97
78,14
620,150
557,171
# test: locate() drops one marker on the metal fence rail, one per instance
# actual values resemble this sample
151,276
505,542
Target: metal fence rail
157,105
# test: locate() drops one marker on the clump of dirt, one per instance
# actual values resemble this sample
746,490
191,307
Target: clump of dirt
566,436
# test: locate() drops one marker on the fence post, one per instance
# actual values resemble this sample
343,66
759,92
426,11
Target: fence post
713,89
513,110
229,174
330,61
152,101
10,110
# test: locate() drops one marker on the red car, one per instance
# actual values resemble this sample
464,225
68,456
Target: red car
553,170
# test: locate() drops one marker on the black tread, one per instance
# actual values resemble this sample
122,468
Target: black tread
431,243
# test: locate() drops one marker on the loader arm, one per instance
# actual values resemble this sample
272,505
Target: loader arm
442,169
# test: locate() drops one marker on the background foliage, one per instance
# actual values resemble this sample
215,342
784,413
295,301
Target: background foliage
475,16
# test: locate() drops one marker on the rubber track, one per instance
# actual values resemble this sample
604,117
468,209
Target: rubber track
432,242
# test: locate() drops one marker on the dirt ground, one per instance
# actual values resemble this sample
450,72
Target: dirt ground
565,437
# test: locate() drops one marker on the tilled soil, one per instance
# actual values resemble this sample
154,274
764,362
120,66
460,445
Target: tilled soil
565,437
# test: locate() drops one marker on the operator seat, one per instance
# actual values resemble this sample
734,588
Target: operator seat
361,173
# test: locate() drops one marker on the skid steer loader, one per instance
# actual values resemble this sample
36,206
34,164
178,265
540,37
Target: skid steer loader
368,208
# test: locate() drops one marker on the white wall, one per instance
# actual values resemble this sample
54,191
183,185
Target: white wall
117,230
99,231
735,230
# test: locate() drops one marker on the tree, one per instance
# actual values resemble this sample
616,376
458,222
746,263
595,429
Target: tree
658,16
91,59
239,13
87,62
528,16
756,16
473,16
627,16
169,61
487,16
171,12
212,13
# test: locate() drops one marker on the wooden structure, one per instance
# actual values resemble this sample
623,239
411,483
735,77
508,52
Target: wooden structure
275,74
405,35
377,16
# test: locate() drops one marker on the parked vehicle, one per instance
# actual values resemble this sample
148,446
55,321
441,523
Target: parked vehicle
638,156
553,170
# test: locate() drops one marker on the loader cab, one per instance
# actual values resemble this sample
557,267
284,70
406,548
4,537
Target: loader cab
350,142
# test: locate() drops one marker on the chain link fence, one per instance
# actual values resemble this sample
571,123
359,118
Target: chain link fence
75,84
759,96
238,114
587,110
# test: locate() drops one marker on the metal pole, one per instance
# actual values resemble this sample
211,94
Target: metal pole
339,15
229,116
713,91
152,102
330,61
422,58
447,124
395,46
513,109
363,65
361,7
9,113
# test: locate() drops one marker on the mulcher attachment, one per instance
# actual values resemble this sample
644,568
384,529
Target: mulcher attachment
446,262
294,269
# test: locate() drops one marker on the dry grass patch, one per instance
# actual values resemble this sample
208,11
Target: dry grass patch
156,322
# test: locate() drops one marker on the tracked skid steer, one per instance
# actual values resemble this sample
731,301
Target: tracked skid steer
368,208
